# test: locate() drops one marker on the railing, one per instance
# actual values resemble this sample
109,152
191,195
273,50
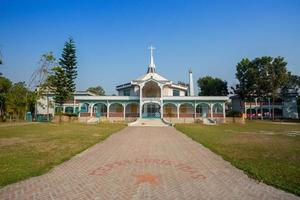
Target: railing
151,99
116,114
263,103
102,114
85,114
218,115
170,115
186,115
132,114
203,114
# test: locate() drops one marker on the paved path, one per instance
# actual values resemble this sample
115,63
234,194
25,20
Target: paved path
144,163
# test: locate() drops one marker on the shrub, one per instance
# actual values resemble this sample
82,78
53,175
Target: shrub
233,113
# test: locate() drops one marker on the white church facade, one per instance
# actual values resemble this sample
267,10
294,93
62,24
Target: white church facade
149,96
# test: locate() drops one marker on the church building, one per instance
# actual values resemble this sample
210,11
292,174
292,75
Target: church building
150,96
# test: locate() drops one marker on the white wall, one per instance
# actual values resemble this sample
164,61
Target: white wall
42,106
168,91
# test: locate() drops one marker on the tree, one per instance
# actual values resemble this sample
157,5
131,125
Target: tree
5,85
17,100
68,64
98,90
39,78
210,86
57,83
246,75
260,78
277,76
293,82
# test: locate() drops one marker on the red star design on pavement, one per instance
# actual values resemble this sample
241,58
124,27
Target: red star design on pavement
147,178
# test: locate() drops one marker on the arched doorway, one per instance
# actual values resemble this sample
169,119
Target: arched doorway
186,110
170,110
217,110
116,110
151,110
84,108
100,110
132,110
203,110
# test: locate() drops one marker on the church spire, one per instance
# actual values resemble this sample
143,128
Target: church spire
151,66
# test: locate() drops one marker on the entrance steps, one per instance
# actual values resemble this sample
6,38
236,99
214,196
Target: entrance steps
93,120
208,121
149,122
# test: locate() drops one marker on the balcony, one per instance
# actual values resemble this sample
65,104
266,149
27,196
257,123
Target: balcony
151,99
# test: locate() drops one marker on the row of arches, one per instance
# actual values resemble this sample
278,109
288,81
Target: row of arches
170,110
264,112
188,110
115,110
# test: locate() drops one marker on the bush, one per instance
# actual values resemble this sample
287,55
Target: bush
70,114
233,113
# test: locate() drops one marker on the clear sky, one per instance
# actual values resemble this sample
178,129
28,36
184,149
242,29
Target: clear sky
112,36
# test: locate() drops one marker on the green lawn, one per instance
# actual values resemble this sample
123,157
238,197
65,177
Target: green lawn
265,151
33,149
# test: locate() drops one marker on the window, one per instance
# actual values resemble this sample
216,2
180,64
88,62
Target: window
126,92
176,92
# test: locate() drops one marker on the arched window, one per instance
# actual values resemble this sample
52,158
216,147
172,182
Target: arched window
186,110
84,108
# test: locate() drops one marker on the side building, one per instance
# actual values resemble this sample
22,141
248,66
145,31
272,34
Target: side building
284,107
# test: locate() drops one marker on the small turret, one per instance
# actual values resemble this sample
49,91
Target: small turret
191,83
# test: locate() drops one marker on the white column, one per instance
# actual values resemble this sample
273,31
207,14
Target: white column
256,111
195,112
161,102
211,110
141,100
224,113
91,110
107,109
178,106
79,108
74,105
124,110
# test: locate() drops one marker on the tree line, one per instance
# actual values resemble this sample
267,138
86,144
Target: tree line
52,76
260,78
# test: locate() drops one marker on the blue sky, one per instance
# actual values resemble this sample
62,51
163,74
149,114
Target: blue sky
112,36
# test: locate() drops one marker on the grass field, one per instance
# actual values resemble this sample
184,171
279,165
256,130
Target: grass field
33,149
265,151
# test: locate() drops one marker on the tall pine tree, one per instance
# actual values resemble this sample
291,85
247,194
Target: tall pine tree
57,82
68,63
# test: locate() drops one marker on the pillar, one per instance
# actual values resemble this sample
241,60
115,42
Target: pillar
224,113
124,110
178,106
141,100
91,110
107,110
73,104
79,109
256,111
211,110
195,112
161,102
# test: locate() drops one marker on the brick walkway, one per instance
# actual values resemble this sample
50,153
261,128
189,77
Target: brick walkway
144,163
